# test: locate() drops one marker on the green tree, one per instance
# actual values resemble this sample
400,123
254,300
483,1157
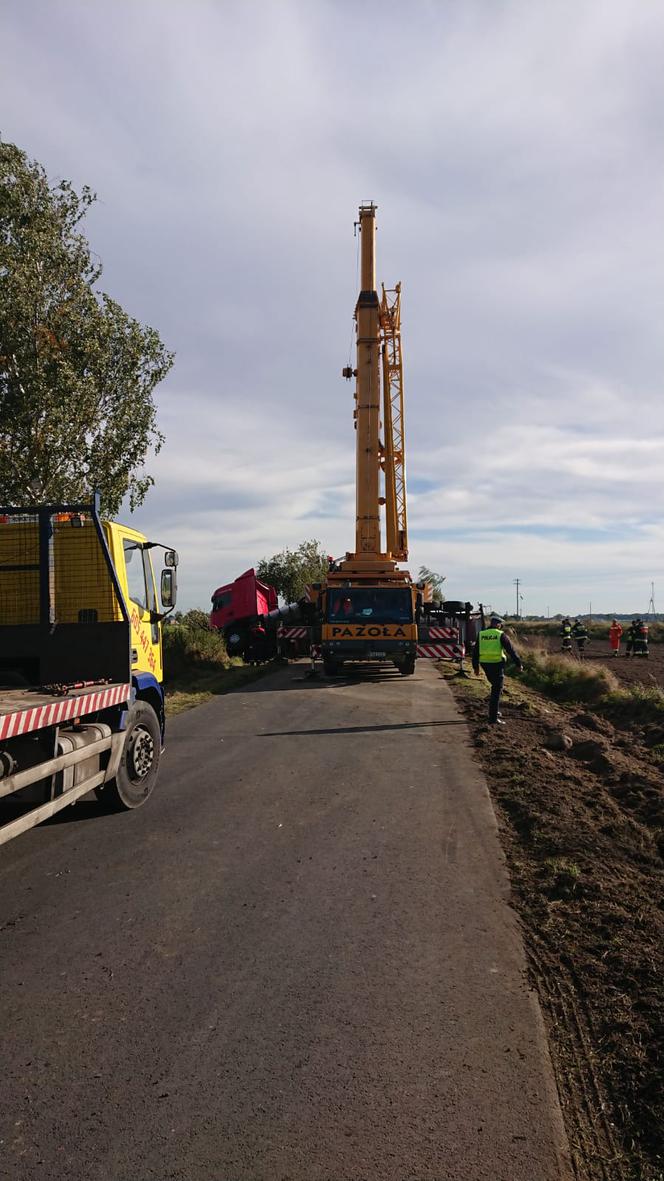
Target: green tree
435,581
196,619
290,571
77,373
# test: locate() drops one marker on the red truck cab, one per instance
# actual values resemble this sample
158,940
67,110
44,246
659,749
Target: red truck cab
237,607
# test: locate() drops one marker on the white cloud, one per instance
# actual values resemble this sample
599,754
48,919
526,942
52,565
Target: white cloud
514,153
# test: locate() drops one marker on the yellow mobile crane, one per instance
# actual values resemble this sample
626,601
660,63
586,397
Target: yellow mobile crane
369,607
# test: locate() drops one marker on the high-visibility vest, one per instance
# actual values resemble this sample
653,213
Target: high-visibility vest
491,648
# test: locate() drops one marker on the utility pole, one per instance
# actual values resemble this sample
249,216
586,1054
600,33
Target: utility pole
517,582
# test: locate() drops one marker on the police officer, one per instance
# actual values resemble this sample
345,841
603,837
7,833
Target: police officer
491,650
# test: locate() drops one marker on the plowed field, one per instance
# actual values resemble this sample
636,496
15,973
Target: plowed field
580,806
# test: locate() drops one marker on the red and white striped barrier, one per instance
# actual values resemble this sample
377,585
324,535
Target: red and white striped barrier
294,633
24,720
440,651
443,633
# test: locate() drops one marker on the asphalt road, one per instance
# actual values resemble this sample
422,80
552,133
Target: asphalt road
296,963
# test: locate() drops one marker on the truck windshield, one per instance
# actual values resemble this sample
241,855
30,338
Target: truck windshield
376,605
221,600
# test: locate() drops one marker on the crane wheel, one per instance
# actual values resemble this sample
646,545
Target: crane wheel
407,668
331,668
139,762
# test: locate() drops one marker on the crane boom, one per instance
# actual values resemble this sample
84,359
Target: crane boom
378,342
367,315
369,607
394,462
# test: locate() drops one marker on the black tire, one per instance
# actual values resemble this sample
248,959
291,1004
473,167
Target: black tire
139,762
407,667
330,667
237,642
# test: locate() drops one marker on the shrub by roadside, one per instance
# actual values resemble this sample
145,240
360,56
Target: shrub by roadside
573,682
564,679
188,644
197,665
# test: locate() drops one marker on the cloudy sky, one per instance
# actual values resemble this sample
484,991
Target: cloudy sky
514,150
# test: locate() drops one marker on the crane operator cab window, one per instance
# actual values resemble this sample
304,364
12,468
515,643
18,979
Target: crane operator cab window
375,605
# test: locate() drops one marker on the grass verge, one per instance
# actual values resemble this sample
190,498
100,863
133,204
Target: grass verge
202,685
571,682
566,680
197,666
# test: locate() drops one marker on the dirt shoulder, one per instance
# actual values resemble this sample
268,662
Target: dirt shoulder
580,807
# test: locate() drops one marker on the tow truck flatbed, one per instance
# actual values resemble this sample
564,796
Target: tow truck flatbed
23,711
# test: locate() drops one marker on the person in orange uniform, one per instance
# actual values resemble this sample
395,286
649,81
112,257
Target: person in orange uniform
615,636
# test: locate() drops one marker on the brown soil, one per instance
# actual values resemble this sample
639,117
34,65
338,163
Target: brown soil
583,832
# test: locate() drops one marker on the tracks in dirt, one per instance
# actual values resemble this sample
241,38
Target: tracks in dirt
596,1153
595,945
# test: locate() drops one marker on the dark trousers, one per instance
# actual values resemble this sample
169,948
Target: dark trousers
495,675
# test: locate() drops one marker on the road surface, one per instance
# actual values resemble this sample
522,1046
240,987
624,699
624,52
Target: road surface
296,963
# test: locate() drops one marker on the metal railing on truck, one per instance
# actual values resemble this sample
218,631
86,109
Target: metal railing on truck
65,660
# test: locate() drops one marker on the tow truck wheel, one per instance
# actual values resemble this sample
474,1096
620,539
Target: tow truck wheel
139,762
407,666
330,667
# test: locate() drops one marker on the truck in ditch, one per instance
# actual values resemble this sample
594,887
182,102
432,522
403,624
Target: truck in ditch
81,661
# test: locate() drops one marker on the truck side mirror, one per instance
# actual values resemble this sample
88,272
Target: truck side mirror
171,559
169,588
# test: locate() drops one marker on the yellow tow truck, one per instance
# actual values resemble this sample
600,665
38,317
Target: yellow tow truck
81,661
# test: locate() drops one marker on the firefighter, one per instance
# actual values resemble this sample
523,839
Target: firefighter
566,635
641,638
580,634
258,645
491,651
615,636
630,646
